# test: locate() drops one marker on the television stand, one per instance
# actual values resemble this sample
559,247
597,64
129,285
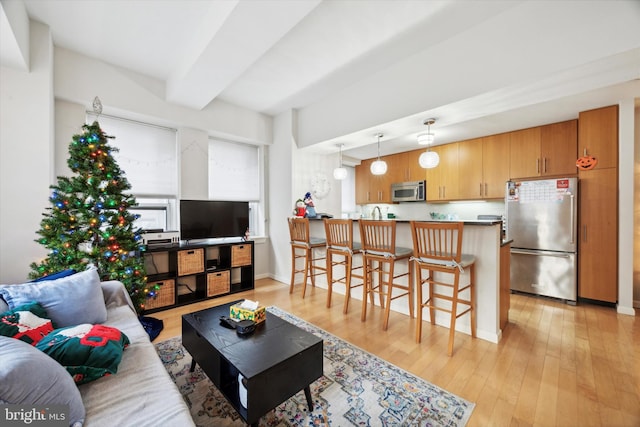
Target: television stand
197,270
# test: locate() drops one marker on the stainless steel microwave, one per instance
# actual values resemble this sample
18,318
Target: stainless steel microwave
412,191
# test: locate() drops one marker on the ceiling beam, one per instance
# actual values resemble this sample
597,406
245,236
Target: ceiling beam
241,33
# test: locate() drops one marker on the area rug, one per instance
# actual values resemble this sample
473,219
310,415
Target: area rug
357,389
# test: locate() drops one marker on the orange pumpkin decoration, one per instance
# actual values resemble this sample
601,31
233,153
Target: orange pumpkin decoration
586,163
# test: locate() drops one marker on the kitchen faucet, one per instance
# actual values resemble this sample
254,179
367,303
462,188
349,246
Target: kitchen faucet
373,212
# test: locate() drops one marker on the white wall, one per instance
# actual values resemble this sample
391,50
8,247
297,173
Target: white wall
26,156
280,190
636,210
29,163
308,166
193,146
124,93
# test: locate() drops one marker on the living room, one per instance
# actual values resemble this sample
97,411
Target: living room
43,106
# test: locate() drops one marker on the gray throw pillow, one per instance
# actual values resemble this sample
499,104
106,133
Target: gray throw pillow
30,377
69,301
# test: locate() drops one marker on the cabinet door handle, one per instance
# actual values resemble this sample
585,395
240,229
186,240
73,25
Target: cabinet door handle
584,233
481,189
538,165
584,152
486,189
444,192
544,166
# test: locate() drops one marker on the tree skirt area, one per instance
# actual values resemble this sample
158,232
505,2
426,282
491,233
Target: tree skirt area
357,389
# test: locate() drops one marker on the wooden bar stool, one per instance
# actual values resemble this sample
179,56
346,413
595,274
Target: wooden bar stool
305,247
339,234
437,247
379,257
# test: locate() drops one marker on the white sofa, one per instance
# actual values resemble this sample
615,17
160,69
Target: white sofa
141,393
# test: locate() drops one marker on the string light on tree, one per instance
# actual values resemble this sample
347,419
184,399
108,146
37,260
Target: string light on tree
89,221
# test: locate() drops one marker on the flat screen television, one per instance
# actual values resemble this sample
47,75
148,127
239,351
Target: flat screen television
212,219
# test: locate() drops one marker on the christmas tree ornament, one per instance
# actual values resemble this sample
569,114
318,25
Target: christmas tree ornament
97,106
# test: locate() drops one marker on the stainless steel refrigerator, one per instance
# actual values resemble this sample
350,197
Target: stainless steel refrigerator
541,218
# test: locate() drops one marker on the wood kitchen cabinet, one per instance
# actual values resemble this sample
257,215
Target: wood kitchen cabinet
598,136
442,181
405,167
372,188
495,168
598,235
470,169
363,195
482,167
525,153
559,148
548,150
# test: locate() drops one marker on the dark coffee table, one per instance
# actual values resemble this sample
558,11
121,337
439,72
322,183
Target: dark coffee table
277,360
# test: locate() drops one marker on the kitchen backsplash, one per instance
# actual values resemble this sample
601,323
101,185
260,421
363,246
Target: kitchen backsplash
453,210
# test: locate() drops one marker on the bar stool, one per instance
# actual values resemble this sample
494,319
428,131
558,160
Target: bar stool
339,233
304,246
437,247
380,251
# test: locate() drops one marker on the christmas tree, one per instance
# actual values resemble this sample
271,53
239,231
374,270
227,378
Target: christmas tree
89,221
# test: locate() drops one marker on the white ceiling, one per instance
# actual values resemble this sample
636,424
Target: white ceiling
273,55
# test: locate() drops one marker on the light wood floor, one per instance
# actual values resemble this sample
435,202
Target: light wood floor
556,365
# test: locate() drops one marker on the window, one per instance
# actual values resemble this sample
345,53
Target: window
148,156
235,170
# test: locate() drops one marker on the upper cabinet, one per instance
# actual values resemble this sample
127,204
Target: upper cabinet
478,168
404,167
558,148
525,153
495,168
373,188
363,194
470,169
598,136
548,150
442,181
482,168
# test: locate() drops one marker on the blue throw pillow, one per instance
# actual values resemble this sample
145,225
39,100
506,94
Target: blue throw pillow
54,276
30,377
68,301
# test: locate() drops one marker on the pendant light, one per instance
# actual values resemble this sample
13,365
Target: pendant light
340,172
428,159
379,167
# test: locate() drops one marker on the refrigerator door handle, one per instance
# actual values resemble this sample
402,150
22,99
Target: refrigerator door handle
541,253
572,228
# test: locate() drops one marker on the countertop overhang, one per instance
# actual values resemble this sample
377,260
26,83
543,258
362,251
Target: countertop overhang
465,221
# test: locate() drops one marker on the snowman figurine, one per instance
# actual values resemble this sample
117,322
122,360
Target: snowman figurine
301,209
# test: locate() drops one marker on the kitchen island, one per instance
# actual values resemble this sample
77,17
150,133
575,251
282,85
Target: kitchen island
483,239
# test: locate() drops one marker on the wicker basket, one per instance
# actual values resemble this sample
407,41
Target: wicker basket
240,255
218,283
190,261
165,294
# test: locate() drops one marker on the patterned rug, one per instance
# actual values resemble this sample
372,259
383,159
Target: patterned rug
357,389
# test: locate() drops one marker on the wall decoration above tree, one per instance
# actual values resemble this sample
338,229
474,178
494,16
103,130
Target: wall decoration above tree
89,221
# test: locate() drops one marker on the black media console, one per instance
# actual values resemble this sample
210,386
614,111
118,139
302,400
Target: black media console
190,272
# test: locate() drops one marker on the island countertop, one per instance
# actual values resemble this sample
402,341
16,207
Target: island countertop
402,220
481,238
